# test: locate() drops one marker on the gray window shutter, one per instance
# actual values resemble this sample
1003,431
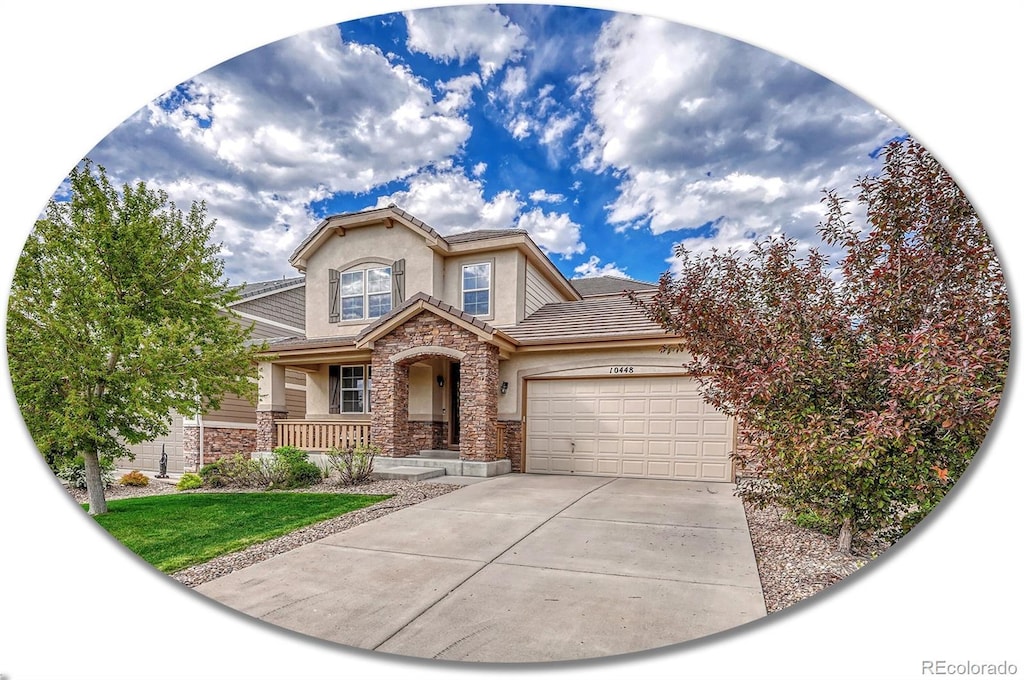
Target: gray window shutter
334,388
398,282
334,297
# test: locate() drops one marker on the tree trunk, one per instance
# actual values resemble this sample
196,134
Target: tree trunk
94,483
846,536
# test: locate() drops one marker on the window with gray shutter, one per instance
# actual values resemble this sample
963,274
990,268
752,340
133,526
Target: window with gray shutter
334,297
398,283
334,388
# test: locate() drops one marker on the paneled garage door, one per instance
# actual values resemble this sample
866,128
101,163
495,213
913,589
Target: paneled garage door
147,454
655,427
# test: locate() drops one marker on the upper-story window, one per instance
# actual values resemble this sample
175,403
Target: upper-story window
476,289
360,294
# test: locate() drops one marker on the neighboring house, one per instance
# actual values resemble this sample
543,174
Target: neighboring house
275,309
476,343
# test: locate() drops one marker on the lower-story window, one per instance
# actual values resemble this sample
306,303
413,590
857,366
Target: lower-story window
350,388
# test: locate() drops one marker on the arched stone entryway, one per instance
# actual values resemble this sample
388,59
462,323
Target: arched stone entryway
421,337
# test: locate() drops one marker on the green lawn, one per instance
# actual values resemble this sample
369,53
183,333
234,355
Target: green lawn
175,531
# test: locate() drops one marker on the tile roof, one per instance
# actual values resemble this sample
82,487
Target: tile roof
596,318
605,285
299,342
481,234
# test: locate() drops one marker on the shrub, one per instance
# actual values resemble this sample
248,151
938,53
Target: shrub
190,480
72,471
303,474
290,468
134,478
354,464
236,471
290,455
212,475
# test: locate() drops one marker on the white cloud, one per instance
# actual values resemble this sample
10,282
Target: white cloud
519,127
451,202
458,93
593,267
479,169
542,196
464,32
555,128
555,233
515,83
267,132
700,129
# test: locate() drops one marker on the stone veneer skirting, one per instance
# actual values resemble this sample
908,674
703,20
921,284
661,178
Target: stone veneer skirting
217,443
513,449
428,434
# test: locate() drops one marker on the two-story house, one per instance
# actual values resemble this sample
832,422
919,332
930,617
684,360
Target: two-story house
476,343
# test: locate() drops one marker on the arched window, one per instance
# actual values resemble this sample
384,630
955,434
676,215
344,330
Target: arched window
364,292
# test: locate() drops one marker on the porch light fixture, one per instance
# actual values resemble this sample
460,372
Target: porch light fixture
504,387
440,381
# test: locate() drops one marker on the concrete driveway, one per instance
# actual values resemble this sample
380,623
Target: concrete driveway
519,568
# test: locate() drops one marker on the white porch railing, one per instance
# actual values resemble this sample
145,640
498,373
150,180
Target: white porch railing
321,435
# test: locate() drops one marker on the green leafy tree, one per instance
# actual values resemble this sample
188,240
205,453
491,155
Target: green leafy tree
117,316
863,390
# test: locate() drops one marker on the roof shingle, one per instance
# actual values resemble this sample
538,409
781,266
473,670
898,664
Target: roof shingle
588,319
606,285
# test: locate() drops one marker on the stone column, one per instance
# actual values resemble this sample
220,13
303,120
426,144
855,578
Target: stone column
478,404
266,429
389,415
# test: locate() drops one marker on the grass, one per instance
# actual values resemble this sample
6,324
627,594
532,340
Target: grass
175,531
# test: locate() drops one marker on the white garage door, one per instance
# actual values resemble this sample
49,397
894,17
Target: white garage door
655,427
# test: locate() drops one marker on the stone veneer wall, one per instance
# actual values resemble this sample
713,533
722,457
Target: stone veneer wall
218,442
266,431
390,427
427,434
514,444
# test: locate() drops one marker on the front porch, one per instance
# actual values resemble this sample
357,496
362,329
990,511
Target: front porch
421,385
320,436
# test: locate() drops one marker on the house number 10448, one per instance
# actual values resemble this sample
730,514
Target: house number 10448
620,369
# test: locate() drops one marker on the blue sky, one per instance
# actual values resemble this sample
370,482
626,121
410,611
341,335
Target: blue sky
609,137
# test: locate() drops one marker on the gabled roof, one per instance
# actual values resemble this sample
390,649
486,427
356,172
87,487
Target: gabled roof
603,317
607,285
423,302
466,242
390,215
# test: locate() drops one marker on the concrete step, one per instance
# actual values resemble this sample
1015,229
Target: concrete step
445,454
407,472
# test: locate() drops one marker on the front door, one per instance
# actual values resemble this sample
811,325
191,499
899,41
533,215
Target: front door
453,410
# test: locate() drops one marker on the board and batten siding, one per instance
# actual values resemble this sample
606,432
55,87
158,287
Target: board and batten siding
539,291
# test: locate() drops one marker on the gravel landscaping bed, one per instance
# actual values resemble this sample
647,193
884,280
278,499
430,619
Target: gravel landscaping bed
794,563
